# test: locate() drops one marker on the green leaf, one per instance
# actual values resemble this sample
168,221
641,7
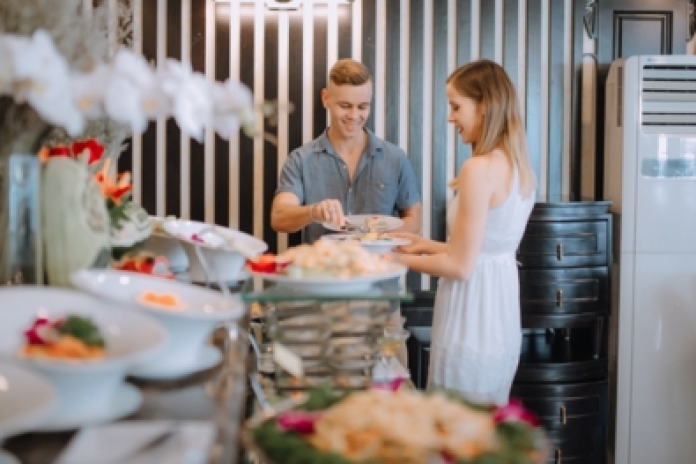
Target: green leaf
83,329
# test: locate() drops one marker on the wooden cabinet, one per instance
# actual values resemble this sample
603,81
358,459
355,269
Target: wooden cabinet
564,257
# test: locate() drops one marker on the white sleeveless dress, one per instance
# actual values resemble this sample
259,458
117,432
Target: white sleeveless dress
476,334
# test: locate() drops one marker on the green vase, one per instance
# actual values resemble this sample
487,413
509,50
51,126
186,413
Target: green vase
76,223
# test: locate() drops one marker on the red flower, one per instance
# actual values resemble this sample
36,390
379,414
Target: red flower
59,150
514,411
94,149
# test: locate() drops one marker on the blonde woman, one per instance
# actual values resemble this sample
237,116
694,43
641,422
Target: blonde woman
476,334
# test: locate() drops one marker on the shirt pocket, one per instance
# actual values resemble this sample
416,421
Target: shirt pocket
385,196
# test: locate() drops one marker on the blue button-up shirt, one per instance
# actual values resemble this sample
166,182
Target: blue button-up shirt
384,181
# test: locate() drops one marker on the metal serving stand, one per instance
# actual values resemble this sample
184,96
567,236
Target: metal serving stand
334,337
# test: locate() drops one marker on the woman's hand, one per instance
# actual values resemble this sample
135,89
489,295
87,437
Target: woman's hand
418,245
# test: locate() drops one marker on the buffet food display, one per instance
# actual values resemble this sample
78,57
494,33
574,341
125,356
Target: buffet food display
71,337
404,426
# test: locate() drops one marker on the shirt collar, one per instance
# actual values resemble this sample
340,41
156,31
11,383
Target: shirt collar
374,144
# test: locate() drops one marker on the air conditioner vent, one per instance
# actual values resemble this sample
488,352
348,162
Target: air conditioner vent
668,95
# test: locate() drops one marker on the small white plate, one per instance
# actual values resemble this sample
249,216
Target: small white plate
382,224
222,249
208,357
379,246
25,399
125,401
333,285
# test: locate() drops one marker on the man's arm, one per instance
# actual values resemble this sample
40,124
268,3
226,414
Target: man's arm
413,218
288,215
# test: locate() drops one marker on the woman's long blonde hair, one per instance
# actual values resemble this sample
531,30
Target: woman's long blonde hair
487,84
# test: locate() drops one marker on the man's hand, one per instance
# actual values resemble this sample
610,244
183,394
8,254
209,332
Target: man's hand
329,211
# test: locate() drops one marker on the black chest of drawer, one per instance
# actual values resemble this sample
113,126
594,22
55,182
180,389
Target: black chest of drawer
574,416
565,257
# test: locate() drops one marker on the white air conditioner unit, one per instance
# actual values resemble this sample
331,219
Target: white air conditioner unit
650,176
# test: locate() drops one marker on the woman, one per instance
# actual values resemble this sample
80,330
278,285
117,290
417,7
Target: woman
476,334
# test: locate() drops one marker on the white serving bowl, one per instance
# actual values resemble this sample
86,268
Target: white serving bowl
218,248
130,338
188,327
161,243
26,398
378,246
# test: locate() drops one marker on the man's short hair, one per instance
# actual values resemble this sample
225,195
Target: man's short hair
349,72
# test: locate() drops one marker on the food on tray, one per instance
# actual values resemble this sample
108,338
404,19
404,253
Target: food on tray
376,224
71,337
400,426
323,259
161,300
145,263
333,259
268,262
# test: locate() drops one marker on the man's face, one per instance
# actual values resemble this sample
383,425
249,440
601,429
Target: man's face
349,108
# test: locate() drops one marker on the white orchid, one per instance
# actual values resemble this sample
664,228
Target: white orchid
189,97
89,91
132,91
127,90
233,103
42,76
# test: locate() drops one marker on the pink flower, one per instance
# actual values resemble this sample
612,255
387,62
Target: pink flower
392,385
514,411
301,422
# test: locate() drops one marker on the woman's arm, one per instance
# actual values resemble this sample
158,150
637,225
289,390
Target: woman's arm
457,259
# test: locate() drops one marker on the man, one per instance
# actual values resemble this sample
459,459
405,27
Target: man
346,170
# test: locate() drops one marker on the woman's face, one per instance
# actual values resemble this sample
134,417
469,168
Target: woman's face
465,114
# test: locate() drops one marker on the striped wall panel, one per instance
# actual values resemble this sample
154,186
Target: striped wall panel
410,45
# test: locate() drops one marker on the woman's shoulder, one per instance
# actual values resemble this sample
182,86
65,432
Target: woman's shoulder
494,162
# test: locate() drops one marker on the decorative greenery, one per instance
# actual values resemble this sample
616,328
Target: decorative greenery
83,329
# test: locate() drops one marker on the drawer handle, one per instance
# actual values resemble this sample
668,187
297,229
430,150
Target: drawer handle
559,297
559,251
559,456
563,415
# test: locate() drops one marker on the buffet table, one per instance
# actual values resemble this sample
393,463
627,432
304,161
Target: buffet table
197,419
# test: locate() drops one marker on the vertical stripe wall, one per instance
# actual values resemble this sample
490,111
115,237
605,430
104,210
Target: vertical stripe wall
410,46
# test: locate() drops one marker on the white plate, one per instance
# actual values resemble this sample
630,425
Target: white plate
124,401
382,245
125,287
387,223
188,327
208,357
25,399
332,285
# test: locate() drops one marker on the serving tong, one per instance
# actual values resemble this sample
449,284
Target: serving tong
350,227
